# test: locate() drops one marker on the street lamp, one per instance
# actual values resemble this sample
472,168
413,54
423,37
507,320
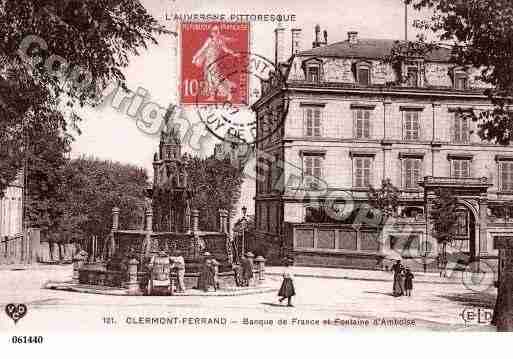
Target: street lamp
243,245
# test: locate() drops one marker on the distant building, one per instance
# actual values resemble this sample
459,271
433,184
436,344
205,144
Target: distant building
11,209
354,120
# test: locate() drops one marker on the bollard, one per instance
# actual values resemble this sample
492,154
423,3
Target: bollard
260,261
133,284
78,262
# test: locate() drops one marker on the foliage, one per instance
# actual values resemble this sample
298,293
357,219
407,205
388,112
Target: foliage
92,187
83,37
482,34
444,216
44,171
214,184
404,51
385,199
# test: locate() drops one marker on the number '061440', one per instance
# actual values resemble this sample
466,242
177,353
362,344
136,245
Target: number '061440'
22,339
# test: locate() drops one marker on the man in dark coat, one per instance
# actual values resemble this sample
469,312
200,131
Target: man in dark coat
247,268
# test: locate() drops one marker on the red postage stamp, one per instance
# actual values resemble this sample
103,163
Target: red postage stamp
203,80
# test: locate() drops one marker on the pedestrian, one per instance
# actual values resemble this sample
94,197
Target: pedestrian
287,290
408,281
247,268
398,287
237,274
442,264
179,266
214,267
206,277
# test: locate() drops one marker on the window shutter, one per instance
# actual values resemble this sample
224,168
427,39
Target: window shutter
464,129
415,126
317,123
317,172
457,128
359,125
465,168
308,165
455,168
416,173
366,126
358,172
309,124
367,172
407,173
504,175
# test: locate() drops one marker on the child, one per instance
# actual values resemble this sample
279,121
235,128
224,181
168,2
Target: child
287,286
408,281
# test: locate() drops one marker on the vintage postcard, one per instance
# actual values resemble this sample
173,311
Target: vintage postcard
285,166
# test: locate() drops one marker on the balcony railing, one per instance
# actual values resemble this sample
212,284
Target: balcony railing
452,181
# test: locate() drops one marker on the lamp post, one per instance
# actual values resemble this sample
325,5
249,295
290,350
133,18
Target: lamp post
243,244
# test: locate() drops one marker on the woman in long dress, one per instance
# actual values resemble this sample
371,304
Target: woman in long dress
398,288
207,57
287,290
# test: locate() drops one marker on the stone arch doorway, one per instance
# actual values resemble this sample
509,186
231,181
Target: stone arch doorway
467,232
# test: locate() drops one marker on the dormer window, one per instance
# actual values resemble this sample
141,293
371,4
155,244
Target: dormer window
313,70
313,74
412,76
363,74
460,80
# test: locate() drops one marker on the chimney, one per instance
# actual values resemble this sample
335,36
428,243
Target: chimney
352,37
279,45
296,41
325,35
317,41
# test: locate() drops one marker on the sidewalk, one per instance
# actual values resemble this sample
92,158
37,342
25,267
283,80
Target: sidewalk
362,274
270,286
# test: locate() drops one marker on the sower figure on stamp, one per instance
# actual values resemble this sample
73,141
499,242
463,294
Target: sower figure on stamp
207,56
287,290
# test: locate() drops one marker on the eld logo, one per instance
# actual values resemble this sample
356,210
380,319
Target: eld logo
477,315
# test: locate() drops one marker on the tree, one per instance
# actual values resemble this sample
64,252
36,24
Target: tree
214,184
92,187
386,199
56,53
44,171
444,218
482,34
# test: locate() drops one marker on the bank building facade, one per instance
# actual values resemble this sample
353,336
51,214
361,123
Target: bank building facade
351,120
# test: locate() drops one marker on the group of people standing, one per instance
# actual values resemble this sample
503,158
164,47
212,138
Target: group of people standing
209,274
160,267
403,280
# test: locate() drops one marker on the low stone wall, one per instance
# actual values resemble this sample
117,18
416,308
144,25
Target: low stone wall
338,260
103,277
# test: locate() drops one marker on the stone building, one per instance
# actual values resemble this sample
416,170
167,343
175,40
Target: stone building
349,121
11,209
12,245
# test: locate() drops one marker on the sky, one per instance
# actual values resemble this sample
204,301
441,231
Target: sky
108,133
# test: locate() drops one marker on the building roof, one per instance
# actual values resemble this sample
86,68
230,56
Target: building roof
369,49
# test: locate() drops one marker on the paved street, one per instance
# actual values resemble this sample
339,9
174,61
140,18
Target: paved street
432,306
